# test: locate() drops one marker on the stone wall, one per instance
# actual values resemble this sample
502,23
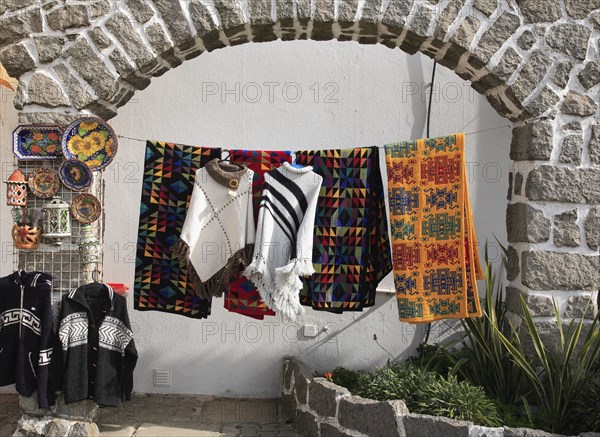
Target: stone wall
535,61
320,408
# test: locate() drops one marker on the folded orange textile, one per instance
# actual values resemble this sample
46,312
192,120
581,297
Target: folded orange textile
435,255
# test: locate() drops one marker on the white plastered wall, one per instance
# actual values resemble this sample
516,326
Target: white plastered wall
248,97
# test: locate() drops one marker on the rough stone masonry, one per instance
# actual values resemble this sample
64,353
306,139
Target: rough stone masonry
535,61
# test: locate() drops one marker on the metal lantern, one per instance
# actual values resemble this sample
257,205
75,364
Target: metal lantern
56,220
89,246
16,189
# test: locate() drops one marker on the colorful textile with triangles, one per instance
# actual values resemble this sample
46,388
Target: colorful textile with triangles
435,255
351,252
161,282
243,297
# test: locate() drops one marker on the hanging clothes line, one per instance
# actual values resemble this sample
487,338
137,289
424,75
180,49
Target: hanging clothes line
381,147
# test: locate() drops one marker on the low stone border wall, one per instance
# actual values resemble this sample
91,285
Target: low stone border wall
321,408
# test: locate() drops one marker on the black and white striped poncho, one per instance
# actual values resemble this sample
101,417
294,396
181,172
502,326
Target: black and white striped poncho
284,237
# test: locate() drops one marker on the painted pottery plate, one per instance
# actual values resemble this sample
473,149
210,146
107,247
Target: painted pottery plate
34,142
90,140
86,208
43,182
75,175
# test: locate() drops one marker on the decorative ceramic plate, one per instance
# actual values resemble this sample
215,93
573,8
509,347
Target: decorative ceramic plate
90,140
43,182
86,208
34,142
75,175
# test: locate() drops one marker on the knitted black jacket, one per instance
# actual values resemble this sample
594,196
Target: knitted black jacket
98,351
26,333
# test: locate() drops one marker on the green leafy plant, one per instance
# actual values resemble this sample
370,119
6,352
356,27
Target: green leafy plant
458,400
345,378
587,405
558,384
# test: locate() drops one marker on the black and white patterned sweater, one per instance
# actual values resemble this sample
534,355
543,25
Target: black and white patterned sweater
26,333
98,351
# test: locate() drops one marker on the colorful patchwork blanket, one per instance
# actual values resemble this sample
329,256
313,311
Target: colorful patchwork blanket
351,252
243,297
435,256
161,282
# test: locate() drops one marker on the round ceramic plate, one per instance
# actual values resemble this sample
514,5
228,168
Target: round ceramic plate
75,175
86,208
43,182
90,140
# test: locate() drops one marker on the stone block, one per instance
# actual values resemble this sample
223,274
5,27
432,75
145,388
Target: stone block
572,125
594,145
526,40
541,270
590,75
200,15
578,104
91,68
561,184
19,26
175,20
68,16
323,396
518,183
99,37
545,99
302,379
500,31
579,9
58,428
526,432
566,230
524,223
562,72
288,372
419,24
17,60
307,424
140,10
538,305
485,431
396,13
447,17
531,75
85,411
329,429
98,8
13,5
48,47
49,118
373,418
571,149
508,64
45,91
120,26
80,97
567,38
486,6
289,407
513,269
466,32
535,11
592,229
579,306
423,425
371,11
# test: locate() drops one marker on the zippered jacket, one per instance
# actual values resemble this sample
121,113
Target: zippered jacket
26,333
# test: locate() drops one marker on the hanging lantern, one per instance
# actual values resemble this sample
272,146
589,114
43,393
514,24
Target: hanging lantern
25,234
56,220
89,246
16,189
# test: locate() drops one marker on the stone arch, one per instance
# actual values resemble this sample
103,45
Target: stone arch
535,61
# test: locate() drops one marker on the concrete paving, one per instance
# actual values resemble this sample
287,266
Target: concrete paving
152,415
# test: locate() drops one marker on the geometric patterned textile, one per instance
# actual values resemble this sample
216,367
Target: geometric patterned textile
351,248
434,247
161,282
243,297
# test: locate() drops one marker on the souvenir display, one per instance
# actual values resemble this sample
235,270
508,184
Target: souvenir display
161,281
436,262
284,237
44,182
26,234
220,215
90,140
37,142
27,336
351,247
16,189
56,221
86,208
75,175
89,246
242,296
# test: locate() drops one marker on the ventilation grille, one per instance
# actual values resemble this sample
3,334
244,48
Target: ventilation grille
162,378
